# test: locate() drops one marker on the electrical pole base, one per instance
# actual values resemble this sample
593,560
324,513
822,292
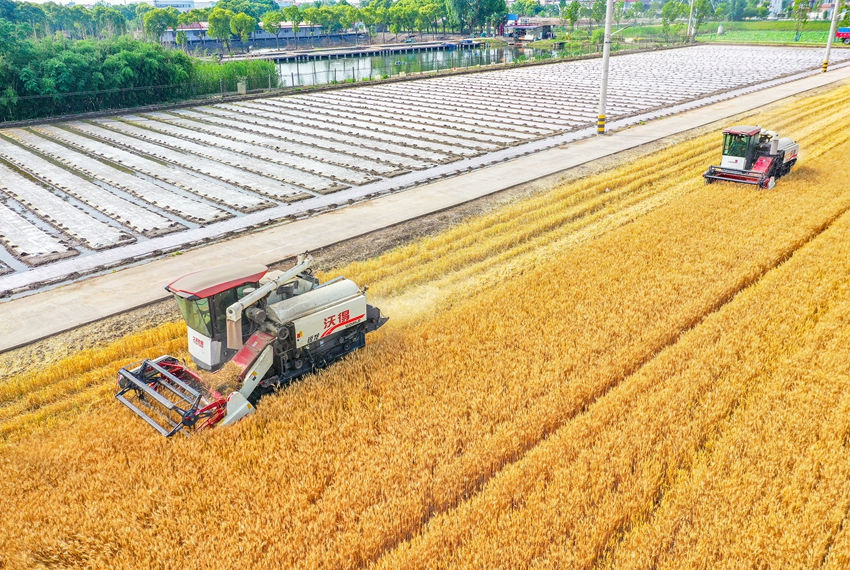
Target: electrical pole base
600,125
824,66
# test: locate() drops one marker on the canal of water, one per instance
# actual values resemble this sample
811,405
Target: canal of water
360,68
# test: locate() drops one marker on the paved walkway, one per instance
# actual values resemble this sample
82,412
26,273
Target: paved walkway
43,314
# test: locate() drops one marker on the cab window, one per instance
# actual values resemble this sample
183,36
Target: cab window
735,145
196,314
223,300
220,304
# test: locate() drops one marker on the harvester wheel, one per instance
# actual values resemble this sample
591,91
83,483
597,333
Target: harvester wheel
769,183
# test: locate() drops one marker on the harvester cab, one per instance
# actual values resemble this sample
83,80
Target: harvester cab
752,155
271,326
203,298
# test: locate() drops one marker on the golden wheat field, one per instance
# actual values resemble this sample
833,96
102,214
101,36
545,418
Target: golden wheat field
632,370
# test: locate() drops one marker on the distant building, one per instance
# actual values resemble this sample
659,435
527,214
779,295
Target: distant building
530,29
196,33
826,9
180,5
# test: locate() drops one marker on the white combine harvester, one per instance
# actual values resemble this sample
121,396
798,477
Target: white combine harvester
274,326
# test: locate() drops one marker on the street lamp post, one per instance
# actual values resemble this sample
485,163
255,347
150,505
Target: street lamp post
835,15
606,55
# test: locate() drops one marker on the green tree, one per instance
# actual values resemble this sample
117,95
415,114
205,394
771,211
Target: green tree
347,15
110,22
619,11
670,12
328,19
527,7
7,11
482,10
736,10
800,14
194,15
636,10
271,24
312,16
82,21
597,11
403,16
158,20
181,39
243,26
458,12
254,8
573,12
293,14
702,11
219,26
141,10
31,14
369,18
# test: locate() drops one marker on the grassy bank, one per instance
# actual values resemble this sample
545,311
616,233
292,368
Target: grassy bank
762,32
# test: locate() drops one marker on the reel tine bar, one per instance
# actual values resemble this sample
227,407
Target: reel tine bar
152,382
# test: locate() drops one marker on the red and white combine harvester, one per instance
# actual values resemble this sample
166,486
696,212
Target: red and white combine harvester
752,155
274,326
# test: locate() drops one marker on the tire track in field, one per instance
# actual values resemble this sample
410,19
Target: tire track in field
715,432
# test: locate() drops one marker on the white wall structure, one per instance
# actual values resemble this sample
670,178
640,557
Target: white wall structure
181,5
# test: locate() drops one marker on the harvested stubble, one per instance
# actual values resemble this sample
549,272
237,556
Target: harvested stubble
339,469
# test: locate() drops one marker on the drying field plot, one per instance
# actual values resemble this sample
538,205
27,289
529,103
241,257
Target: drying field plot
157,182
632,370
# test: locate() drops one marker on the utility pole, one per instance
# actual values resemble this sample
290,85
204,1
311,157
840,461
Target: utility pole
831,35
606,55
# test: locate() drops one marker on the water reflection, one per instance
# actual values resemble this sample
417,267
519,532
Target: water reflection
323,71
